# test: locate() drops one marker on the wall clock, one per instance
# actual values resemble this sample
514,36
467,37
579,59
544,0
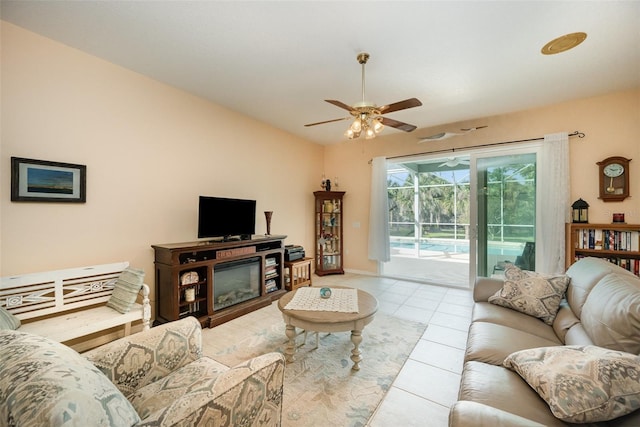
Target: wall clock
614,179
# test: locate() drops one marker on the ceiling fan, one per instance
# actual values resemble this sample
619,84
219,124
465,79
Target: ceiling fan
445,135
367,116
452,162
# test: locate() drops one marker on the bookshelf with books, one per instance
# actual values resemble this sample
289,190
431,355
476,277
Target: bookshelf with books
617,243
271,274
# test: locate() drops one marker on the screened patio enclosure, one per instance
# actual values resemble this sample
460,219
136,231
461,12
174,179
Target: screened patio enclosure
432,238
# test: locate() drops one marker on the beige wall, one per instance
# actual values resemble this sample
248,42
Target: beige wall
150,150
611,124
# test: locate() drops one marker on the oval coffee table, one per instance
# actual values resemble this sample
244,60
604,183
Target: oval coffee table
329,321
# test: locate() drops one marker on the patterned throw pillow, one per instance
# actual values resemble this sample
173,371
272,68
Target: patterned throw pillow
531,293
126,290
8,320
45,383
581,384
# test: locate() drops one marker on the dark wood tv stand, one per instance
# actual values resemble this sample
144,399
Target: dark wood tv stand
179,294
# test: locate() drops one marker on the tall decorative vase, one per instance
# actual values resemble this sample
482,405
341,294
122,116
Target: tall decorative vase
267,216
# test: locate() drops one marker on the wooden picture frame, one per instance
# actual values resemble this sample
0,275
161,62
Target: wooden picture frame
45,181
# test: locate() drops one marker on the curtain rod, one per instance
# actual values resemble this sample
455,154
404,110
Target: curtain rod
453,150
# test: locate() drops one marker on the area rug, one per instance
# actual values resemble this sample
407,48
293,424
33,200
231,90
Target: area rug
320,388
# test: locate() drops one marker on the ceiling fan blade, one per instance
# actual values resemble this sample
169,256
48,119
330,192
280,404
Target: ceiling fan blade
339,104
472,129
328,121
398,125
439,136
401,105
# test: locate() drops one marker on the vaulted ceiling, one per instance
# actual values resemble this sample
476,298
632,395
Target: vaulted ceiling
277,61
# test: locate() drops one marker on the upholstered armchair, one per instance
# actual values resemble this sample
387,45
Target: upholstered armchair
153,378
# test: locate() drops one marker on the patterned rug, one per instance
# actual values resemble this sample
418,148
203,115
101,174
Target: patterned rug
320,388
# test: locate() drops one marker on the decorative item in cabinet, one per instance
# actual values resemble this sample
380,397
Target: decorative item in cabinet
617,243
193,292
329,211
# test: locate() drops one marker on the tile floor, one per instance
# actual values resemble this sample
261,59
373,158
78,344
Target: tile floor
428,383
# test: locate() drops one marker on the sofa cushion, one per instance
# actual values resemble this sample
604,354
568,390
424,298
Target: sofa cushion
126,290
500,388
585,274
8,320
44,383
581,384
191,382
611,314
531,293
249,394
564,321
492,343
491,313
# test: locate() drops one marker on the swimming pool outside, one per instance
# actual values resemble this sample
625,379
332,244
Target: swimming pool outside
458,246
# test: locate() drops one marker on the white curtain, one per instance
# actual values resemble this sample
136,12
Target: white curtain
554,205
379,212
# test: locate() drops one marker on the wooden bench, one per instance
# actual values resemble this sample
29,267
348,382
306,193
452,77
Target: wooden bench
66,304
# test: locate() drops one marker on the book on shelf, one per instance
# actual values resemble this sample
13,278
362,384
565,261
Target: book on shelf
271,275
610,240
271,285
270,262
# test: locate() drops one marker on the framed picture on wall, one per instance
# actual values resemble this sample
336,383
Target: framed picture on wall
44,181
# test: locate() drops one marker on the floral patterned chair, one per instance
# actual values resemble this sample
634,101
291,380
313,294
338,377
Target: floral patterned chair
154,378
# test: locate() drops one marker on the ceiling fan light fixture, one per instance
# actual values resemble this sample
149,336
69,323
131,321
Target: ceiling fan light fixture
377,125
356,126
367,116
369,133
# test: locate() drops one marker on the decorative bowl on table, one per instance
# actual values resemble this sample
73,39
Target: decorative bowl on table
325,292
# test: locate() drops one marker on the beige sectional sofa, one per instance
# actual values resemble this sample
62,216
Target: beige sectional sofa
600,312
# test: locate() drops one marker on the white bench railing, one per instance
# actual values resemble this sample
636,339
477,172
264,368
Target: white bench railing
67,304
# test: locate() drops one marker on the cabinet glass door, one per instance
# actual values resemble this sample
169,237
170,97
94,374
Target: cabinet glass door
329,233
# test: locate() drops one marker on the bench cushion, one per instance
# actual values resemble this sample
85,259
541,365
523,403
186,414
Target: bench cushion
74,324
45,383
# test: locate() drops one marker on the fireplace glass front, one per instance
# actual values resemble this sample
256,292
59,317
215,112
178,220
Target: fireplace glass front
235,282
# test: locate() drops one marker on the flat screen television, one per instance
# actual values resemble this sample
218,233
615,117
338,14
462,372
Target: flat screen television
227,219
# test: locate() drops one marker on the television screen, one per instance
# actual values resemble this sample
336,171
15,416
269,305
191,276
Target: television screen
226,218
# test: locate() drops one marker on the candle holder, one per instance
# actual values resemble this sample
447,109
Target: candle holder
580,212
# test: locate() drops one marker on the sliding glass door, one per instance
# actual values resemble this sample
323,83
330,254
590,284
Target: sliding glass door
429,220
452,219
505,211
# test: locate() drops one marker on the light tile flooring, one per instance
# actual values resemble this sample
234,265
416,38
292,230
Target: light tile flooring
427,385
